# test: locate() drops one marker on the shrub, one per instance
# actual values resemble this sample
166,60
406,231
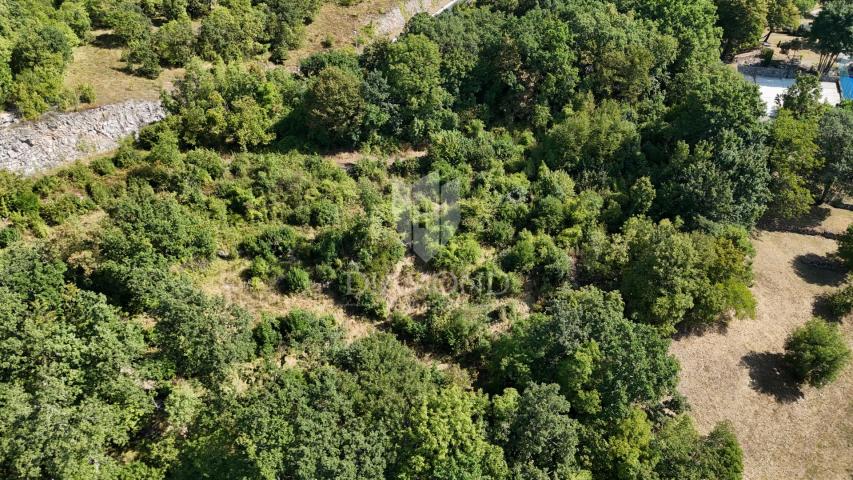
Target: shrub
169,227
458,331
361,293
489,280
99,193
259,268
85,93
840,302
294,280
103,166
8,235
816,352
175,9
766,56
59,210
845,247
267,337
324,212
406,327
274,243
313,334
207,160
36,89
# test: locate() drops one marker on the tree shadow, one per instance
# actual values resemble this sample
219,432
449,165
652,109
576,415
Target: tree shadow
841,204
814,218
107,40
688,329
769,375
819,270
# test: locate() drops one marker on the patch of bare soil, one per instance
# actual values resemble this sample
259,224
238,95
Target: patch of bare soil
787,432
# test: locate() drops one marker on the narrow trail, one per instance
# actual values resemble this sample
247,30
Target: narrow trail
786,432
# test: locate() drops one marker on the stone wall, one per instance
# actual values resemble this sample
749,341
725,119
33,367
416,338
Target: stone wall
60,138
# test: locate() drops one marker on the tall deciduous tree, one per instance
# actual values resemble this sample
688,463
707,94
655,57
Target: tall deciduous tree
782,14
836,147
832,31
742,21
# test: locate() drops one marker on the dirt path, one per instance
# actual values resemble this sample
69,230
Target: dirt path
786,432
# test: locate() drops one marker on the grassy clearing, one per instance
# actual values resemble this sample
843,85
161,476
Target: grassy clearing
101,66
786,432
357,24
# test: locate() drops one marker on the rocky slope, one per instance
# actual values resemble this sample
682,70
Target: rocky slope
57,139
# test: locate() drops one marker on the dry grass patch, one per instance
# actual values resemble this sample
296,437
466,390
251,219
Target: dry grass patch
223,278
102,68
787,432
358,24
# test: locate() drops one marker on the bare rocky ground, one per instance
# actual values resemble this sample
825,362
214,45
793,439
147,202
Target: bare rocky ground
787,432
57,139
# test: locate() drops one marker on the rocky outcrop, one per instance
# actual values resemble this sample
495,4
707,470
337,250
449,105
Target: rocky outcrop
392,23
7,119
56,139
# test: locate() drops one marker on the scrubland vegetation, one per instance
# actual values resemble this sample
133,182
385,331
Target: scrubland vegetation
610,169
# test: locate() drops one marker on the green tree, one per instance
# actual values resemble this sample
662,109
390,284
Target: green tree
74,15
229,35
533,74
712,98
632,366
691,22
174,42
722,181
742,21
285,21
70,382
619,56
793,161
817,352
684,455
445,441
782,14
835,140
334,107
845,246
413,72
594,142
129,23
229,105
831,32
46,44
539,433
804,97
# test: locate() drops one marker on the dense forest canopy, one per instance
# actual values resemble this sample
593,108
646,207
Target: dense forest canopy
610,168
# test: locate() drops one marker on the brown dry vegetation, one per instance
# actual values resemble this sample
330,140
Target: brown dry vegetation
786,432
100,65
357,24
223,278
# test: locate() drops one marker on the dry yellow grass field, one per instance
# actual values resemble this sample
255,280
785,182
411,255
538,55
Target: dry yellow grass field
102,68
786,432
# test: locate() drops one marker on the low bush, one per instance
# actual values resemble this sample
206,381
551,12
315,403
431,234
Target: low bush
817,352
294,280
